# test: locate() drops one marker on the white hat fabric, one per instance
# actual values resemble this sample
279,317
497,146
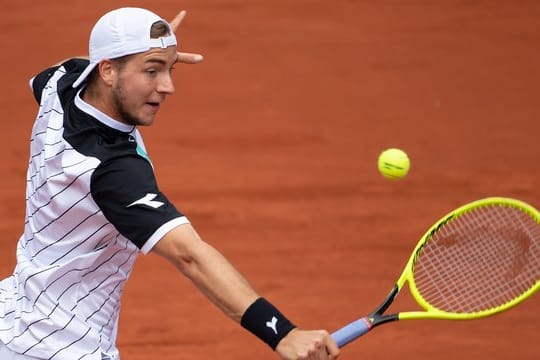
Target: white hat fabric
122,32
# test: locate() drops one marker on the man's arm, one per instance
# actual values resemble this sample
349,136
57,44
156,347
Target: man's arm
222,284
184,57
207,269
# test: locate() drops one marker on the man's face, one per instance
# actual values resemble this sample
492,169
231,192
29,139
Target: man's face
141,84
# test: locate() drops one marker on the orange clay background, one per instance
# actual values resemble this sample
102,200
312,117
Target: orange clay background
270,148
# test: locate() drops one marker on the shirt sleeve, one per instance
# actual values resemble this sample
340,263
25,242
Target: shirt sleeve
126,191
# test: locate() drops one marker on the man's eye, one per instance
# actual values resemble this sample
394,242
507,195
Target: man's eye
151,72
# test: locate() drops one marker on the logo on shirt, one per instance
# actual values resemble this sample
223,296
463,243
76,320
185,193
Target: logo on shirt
147,200
272,324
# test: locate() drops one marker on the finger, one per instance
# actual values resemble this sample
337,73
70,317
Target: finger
189,58
320,352
177,20
331,348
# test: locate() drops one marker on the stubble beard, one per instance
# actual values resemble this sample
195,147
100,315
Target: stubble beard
118,102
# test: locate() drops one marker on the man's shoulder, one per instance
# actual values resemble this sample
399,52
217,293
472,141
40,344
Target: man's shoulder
75,65
68,70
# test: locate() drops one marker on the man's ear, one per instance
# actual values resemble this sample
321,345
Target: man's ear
107,72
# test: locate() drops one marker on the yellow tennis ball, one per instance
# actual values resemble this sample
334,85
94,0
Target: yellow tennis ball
393,163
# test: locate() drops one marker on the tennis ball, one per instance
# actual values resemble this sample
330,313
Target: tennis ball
393,163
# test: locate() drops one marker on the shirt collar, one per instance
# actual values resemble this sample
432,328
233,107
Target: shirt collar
101,116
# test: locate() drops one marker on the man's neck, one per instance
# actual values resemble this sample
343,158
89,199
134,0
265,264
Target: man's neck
91,107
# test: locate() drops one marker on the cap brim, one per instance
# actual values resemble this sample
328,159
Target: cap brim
84,74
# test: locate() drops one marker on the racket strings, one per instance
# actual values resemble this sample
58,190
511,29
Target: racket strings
479,260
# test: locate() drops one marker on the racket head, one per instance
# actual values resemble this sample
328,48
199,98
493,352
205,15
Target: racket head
478,260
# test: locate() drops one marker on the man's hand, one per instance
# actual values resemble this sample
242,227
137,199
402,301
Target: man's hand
183,57
307,345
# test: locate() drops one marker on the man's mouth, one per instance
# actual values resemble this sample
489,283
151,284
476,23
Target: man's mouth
154,105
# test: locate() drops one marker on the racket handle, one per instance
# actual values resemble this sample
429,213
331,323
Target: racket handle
351,331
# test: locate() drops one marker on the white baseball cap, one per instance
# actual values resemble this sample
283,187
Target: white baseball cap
122,32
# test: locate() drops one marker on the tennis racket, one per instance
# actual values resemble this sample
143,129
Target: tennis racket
481,259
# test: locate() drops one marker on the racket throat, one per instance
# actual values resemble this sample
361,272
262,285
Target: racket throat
376,317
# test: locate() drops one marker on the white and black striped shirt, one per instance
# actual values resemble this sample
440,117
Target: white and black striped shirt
92,203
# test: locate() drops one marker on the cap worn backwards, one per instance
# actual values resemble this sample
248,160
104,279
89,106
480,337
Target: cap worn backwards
122,32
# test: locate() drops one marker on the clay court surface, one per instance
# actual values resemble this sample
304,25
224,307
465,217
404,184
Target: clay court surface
270,148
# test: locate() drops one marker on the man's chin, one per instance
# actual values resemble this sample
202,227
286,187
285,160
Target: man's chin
147,121
143,120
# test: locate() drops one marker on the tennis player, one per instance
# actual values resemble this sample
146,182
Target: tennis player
93,204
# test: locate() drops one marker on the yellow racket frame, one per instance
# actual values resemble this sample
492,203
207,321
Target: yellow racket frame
434,313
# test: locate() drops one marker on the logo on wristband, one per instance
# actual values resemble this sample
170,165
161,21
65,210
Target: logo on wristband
272,324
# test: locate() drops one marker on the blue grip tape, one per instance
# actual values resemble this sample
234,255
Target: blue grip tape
351,331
